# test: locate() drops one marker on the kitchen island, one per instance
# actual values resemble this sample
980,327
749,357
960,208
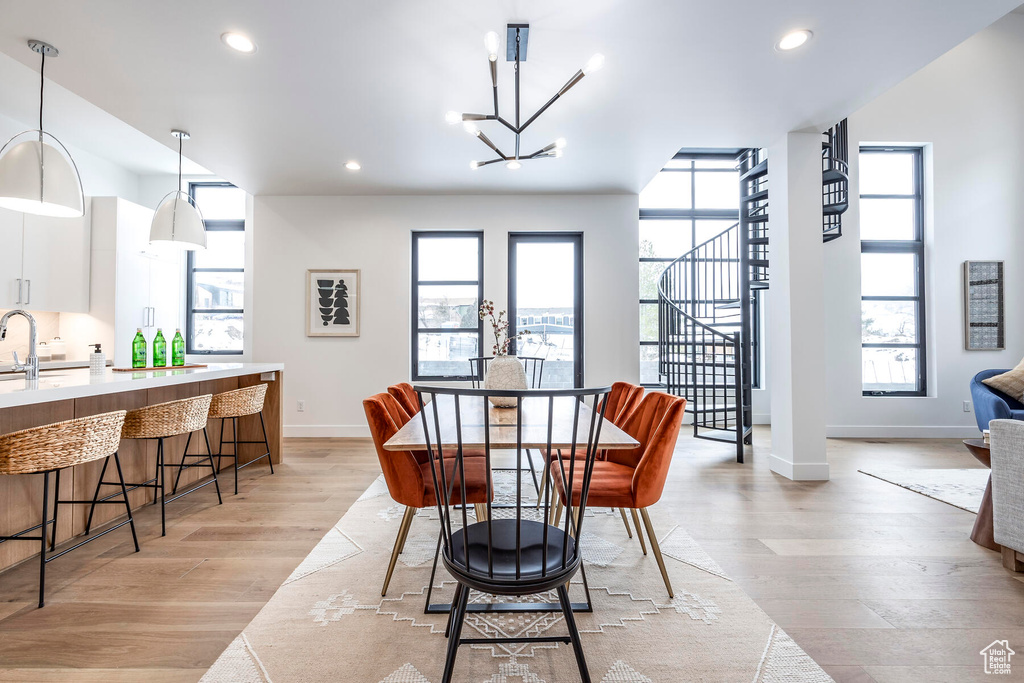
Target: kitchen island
65,394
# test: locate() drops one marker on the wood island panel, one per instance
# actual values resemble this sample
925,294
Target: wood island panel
21,495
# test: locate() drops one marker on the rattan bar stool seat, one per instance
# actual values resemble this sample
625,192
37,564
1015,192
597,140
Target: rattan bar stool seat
231,405
51,448
238,402
161,421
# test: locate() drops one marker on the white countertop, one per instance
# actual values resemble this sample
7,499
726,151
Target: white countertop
60,385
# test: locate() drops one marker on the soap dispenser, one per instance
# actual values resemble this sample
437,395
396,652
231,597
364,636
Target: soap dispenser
97,360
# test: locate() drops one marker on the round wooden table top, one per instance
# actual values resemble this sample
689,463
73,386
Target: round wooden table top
980,450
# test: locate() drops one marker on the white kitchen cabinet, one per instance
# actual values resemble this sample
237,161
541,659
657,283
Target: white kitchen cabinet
44,262
143,283
10,258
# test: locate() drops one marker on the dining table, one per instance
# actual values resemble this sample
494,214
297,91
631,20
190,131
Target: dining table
477,419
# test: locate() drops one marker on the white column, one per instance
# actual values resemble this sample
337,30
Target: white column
797,305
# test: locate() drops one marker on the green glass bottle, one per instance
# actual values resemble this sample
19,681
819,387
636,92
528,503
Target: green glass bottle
159,349
177,349
139,350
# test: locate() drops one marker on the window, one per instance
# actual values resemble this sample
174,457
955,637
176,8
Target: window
892,271
447,286
692,199
545,286
215,290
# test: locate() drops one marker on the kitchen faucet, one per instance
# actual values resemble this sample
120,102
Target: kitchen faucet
31,365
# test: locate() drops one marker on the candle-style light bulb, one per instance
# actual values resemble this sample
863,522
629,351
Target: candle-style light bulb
593,64
491,43
453,117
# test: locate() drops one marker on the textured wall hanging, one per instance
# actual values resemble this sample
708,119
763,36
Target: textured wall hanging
984,325
332,303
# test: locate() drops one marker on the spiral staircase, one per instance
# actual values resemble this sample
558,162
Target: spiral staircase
707,297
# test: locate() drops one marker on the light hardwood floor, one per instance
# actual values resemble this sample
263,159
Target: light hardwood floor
873,581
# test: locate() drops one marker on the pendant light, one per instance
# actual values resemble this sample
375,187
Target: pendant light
37,173
178,220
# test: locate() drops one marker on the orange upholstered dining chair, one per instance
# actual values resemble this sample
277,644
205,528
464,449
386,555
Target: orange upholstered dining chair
622,400
406,397
408,476
634,479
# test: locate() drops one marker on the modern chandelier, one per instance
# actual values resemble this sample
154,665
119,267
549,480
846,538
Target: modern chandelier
517,38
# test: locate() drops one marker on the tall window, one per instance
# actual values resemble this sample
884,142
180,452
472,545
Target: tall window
216,277
447,286
545,298
692,199
892,271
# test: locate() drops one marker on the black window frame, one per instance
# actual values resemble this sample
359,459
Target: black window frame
417,235
915,246
693,215
223,225
577,334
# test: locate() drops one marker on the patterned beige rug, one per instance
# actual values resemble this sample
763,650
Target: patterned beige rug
328,622
963,488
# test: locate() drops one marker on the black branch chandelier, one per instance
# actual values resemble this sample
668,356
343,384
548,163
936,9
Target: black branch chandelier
517,39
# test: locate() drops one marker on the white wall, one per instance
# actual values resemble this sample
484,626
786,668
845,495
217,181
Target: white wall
967,107
333,375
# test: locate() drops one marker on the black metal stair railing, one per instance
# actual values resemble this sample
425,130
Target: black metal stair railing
699,336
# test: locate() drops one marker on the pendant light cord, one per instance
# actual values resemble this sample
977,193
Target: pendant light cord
42,69
179,162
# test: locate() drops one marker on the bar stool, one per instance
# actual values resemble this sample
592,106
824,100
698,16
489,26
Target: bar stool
232,405
51,448
161,421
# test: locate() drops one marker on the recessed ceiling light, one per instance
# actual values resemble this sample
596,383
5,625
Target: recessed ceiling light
793,40
353,166
236,41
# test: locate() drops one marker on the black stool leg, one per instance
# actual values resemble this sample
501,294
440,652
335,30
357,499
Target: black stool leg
163,497
181,465
266,442
574,634
455,601
533,472
458,617
124,493
96,496
42,536
56,504
220,442
234,435
209,456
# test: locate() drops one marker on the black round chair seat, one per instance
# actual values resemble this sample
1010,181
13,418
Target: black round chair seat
538,571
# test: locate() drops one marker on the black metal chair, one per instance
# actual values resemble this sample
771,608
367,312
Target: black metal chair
520,554
534,368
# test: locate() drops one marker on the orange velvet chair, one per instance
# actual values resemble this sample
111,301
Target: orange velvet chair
634,479
406,397
407,474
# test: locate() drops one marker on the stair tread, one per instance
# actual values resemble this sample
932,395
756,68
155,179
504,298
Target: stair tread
757,196
756,172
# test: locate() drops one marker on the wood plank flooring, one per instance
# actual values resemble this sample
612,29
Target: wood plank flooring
875,582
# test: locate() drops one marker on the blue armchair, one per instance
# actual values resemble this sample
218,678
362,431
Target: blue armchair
990,404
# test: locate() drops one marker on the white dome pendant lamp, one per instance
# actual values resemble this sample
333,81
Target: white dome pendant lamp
37,173
177,220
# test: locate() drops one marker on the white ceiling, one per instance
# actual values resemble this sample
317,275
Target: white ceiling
334,81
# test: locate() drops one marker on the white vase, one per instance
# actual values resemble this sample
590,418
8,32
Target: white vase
504,373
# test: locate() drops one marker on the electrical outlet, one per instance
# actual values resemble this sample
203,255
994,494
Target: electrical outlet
300,406
967,406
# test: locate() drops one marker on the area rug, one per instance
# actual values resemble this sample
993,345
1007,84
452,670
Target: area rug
960,488
328,622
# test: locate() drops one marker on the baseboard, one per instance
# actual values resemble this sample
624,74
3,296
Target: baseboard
326,431
900,432
762,418
804,471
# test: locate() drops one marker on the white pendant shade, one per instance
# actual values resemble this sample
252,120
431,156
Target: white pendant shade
178,222
37,178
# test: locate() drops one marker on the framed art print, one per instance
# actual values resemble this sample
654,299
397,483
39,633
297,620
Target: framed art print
332,303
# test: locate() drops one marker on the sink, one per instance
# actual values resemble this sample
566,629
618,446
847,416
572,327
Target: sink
43,374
